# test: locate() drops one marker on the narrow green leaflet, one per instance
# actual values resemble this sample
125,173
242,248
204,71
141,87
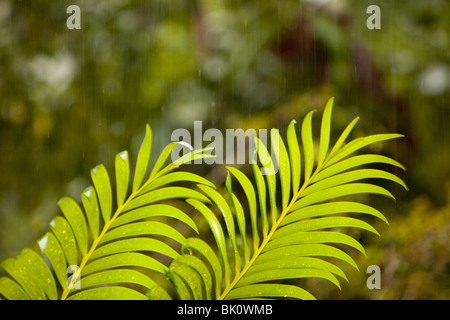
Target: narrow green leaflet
172,177
340,191
208,254
331,208
271,291
109,293
223,207
141,229
190,277
340,142
262,196
116,256
142,159
359,143
353,162
269,171
63,232
308,145
102,185
324,223
116,276
135,244
240,217
294,157
162,158
202,270
11,290
165,194
351,176
90,204
127,259
217,232
306,250
325,132
21,269
122,176
284,166
313,237
50,246
76,219
249,191
155,210
297,263
281,274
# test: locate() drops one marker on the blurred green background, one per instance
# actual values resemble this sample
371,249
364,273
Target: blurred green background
70,99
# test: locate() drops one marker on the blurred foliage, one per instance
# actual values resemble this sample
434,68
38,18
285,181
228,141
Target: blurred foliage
71,99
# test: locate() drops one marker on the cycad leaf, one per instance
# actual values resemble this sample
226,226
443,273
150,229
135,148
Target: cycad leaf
102,186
